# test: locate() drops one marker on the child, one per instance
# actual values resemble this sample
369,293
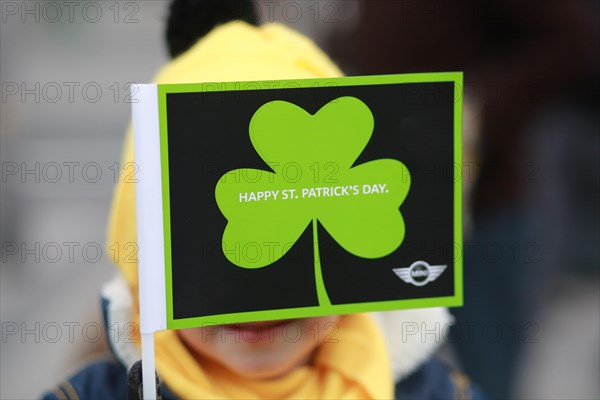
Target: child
364,356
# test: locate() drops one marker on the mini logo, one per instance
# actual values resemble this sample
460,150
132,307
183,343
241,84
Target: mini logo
420,273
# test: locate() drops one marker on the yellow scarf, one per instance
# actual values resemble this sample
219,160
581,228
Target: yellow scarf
357,366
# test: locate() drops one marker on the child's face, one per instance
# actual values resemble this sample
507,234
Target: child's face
263,350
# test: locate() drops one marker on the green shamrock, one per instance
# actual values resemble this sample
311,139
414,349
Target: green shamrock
313,178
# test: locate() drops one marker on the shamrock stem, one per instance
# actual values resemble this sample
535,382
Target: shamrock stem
321,291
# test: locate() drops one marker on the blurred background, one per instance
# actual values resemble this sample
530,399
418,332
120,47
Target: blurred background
530,327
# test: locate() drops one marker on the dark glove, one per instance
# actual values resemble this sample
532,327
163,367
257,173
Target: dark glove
135,386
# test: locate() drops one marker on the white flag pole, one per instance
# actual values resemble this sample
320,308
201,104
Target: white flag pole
150,233
148,366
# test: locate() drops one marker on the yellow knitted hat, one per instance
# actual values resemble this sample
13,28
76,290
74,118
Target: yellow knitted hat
235,51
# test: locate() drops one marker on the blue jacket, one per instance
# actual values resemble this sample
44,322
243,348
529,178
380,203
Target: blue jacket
107,379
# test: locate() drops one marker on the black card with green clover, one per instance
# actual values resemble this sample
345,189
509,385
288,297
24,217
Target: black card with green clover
287,199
